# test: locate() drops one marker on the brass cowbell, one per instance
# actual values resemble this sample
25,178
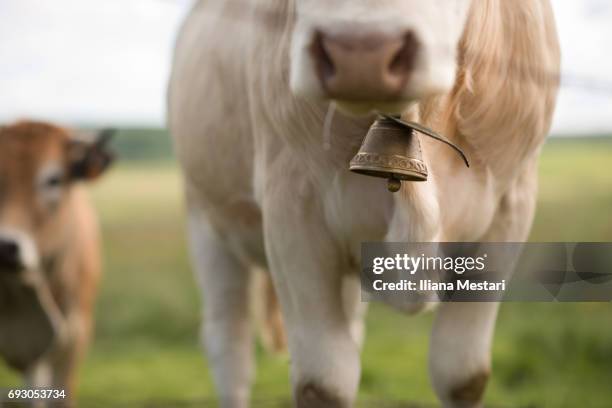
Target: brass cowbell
393,151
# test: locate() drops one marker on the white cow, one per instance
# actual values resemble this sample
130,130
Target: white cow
249,92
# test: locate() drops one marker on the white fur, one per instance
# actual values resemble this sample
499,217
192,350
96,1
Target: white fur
269,193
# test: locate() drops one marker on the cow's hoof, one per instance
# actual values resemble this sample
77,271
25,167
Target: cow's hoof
470,393
311,395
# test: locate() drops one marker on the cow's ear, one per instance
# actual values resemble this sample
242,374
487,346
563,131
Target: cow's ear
90,156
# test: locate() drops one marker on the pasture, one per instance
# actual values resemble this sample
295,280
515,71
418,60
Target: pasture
146,350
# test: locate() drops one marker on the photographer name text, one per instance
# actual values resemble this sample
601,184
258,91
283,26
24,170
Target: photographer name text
404,263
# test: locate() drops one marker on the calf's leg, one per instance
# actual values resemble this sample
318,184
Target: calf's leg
58,369
66,358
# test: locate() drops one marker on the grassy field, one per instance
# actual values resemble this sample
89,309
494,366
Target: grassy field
146,348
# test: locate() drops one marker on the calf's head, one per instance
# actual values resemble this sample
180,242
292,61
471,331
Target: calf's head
39,163
376,54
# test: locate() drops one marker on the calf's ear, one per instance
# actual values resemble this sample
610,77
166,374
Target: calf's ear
90,156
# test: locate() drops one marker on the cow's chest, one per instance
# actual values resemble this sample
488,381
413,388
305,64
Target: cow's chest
357,209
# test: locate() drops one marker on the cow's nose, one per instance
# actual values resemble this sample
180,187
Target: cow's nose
9,256
372,67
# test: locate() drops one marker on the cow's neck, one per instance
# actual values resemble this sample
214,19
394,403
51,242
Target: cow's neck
498,111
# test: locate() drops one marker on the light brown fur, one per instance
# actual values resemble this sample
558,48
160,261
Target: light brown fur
66,237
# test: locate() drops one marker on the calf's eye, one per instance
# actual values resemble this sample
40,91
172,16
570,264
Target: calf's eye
51,180
54,181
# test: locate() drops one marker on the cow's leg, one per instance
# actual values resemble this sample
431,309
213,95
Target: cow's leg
40,375
226,330
460,352
354,308
58,368
67,356
71,349
303,260
462,335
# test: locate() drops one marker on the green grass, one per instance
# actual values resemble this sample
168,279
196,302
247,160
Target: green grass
146,349
575,201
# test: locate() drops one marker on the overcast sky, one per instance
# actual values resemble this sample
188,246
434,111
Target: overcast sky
107,62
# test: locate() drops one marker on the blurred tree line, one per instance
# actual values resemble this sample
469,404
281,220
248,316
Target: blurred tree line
141,144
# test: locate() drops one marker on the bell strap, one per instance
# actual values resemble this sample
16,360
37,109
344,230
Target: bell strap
428,132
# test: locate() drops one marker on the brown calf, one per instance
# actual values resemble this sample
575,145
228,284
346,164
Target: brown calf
49,250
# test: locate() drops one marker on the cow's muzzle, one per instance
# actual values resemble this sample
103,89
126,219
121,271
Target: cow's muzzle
367,67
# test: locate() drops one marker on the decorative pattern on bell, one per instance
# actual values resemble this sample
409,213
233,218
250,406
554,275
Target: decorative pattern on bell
391,151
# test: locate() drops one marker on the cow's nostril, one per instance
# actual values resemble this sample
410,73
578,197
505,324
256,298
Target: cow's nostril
9,255
403,62
8,248
324,63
